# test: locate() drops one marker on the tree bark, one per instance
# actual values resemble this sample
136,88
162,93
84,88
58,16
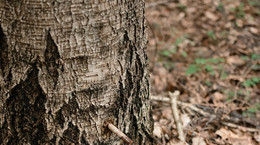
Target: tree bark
67,67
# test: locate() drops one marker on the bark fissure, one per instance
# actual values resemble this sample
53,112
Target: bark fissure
60,118
52,57
133,87
25,107
70,135
3,53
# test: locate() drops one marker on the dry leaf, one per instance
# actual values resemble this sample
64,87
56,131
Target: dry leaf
235,60
185,120
155,117
175,142
163,121
152,42
165,130
184,2
206,1
180,16
186,23
167,113
211,16
157,130
219,96
228,25
239,23
257,136
236,77
191,10
226,134
233,138
198,140
253,30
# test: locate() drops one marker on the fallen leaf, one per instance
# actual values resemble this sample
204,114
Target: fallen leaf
165,130
167,113
228,25
257,136
184,2
152,42
175,142
155,117
253,30
226,134
180,16
211,16
239,23
185,120
198,140
207,1
157,130
186,23
164,121
235,60
233,138
236,77
219,96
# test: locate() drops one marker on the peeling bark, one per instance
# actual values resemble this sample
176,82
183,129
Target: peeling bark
68,67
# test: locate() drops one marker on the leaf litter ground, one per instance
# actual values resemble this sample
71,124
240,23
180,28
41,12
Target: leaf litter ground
209,50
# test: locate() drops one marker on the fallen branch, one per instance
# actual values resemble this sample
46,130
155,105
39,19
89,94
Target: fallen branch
191,106
240,127
176,116
210,115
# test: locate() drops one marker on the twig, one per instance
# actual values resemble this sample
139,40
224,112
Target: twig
202,112
159,98
240,127
191,106
175,112
119,133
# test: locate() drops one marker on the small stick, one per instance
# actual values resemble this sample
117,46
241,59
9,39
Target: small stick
176,116
240,127
119,133
202,112
160,98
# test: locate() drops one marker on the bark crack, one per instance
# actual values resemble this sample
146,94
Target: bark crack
3,53
52,58
25,121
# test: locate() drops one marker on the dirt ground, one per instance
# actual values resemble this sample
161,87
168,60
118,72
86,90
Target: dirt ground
209,51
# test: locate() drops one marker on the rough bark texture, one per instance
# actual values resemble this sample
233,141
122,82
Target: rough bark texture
69,66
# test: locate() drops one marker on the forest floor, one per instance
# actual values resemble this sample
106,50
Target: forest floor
209,51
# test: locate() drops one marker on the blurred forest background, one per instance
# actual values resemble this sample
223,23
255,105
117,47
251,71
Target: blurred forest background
208,50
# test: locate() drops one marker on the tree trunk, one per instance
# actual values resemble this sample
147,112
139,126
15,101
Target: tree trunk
67,67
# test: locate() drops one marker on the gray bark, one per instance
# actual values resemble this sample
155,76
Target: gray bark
69,66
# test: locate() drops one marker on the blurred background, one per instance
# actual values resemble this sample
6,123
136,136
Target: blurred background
208,50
